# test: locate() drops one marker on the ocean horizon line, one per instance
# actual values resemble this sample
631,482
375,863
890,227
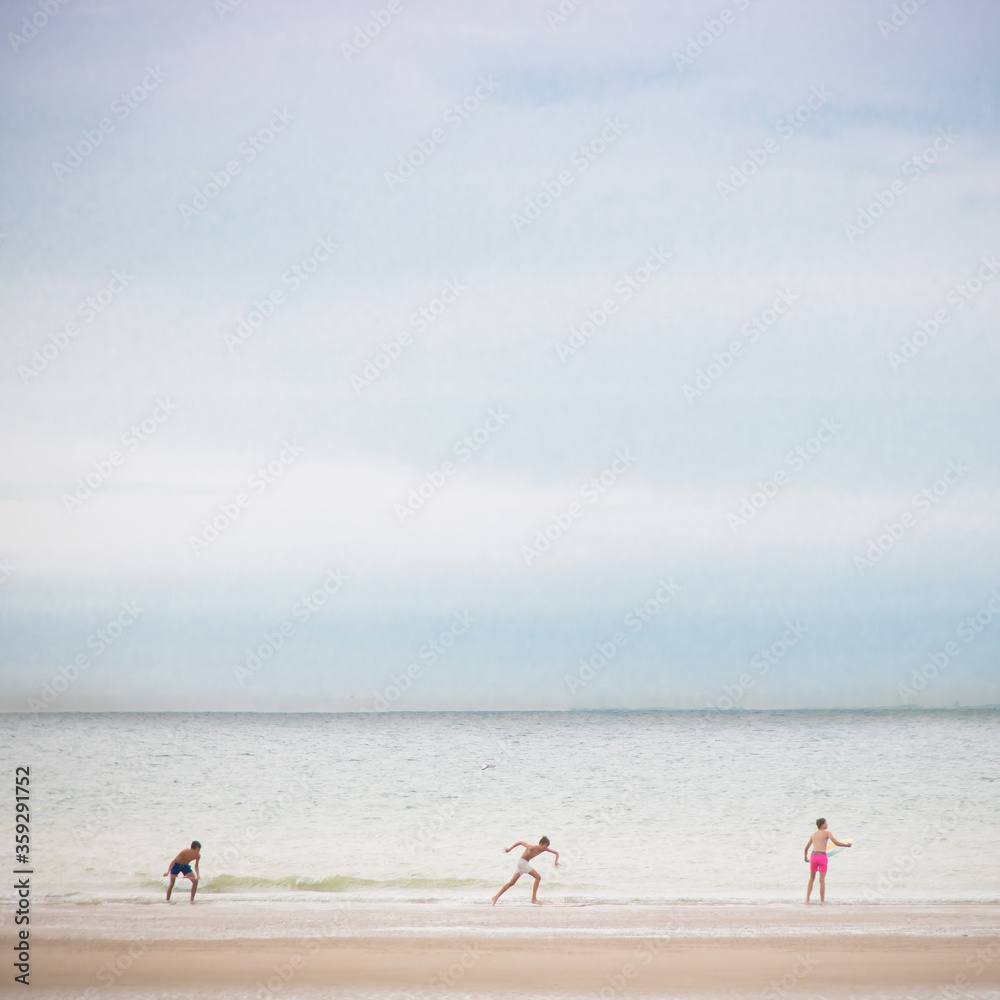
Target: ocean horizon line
513,711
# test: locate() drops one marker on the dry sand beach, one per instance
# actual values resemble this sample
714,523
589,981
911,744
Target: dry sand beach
276,948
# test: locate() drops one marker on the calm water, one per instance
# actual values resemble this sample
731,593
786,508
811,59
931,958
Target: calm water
643,806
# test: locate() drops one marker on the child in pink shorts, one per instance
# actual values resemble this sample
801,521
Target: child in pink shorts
818,861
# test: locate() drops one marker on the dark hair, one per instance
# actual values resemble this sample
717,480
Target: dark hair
196,844
545,841
819,823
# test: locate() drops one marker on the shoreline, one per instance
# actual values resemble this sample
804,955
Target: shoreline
586,949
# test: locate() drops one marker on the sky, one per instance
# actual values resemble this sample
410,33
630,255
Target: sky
530,355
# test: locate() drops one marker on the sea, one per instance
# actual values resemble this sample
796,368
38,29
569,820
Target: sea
644,807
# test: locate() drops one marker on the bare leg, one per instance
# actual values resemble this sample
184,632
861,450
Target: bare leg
822,887
170,888
517,875
534,888
194,886
809,888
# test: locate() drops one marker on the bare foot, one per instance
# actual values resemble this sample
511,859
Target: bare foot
537,902
495,898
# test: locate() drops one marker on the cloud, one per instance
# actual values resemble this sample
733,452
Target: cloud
589,125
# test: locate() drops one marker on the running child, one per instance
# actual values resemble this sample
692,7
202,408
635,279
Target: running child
531,851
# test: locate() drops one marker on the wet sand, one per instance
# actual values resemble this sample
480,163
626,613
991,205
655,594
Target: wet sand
227,944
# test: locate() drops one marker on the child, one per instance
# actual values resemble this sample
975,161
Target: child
181,865
820,840
523,868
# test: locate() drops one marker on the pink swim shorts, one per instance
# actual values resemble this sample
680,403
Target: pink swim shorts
818,862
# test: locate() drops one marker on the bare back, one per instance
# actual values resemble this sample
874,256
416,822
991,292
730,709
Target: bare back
533,851
186,856
820,841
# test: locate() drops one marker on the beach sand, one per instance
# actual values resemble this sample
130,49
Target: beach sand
641,949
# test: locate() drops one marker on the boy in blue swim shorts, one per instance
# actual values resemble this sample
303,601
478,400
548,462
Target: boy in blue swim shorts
181,865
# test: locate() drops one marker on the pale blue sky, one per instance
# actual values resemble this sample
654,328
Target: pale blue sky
649,187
